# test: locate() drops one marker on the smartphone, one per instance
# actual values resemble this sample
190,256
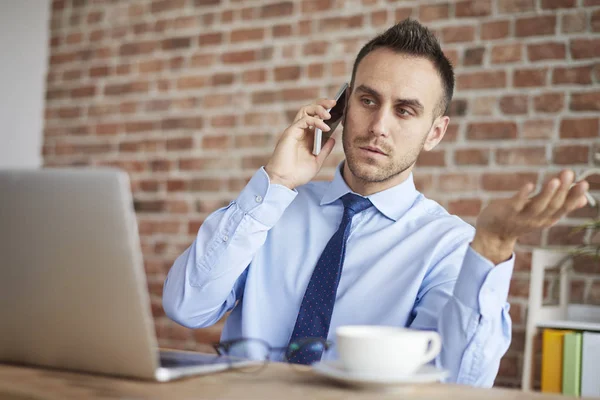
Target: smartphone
337,112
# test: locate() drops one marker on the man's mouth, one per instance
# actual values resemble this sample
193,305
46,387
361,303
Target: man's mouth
373,150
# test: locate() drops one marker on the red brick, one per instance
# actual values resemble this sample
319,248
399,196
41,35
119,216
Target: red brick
458,182
184,143
316,70
564,236
579,128
595,21
585,48
481,80
126,88
549,102
535,26
226,78
223,121
290,73
515,6
473,8
530,77
209,39
311,6
206,184
474,56
465,207
456,34
84,91
522,261
574,22
316,48
403,13
458,108
589,101
511,105
495,30
471,157
139,126
244,35
506,53
451,132
341,23
555,4
379,18
546,51
538,129
176,43
281,9
432,159
300,94
218,142
254,76
572,75
522,156
254,162
567,155
423,182
140,146
239,57
491,130
507,181
160,6
280,31
258,140
107,129
192,82
434,12
139,48
193,123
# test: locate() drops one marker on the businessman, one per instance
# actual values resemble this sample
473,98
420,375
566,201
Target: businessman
291,258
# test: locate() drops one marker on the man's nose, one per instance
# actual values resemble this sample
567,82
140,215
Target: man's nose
380,124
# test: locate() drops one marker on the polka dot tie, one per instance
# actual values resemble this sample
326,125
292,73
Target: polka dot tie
314,316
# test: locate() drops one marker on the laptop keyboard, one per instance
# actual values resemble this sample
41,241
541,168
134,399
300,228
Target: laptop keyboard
175,359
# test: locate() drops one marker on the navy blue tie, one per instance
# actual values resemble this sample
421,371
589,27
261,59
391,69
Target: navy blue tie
314,316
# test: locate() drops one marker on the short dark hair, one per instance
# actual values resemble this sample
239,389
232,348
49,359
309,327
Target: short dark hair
411,38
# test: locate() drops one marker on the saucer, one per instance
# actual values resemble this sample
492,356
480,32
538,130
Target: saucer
333,369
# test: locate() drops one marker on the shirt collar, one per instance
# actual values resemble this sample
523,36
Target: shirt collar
392,202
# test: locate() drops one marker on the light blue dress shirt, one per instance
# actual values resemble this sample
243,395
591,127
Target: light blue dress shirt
408,263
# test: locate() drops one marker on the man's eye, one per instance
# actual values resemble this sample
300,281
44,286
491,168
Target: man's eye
367,102
403,112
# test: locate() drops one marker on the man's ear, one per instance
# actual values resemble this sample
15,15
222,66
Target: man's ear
436,133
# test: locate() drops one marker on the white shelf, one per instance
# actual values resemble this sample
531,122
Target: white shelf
574,325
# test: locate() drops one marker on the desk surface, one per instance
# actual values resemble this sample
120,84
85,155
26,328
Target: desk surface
275,381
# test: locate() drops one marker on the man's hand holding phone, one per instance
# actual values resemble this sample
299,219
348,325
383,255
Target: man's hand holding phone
293,164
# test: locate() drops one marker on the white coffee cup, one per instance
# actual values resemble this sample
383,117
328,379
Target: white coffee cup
385,350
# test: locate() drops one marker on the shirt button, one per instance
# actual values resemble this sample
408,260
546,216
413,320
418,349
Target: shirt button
225,238
258,199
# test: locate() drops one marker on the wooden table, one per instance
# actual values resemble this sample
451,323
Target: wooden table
276,381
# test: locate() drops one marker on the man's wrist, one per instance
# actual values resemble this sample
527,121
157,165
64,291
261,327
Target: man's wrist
276,179
493,247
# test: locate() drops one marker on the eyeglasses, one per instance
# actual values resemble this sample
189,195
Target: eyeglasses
261,352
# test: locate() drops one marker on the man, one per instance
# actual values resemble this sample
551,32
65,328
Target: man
280,252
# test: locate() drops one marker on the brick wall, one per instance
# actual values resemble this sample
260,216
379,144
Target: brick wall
189,96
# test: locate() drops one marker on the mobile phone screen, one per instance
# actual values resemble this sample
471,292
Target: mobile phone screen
337,112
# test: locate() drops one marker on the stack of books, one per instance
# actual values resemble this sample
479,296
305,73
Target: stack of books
571,362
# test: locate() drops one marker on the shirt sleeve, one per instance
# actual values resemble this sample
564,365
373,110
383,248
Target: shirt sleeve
471,315
208,278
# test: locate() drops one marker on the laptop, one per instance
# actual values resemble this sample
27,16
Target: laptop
72,280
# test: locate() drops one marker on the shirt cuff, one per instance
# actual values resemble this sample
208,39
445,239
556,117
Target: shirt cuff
481,285
264,201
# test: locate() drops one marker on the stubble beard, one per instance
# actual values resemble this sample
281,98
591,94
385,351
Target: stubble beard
372,171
